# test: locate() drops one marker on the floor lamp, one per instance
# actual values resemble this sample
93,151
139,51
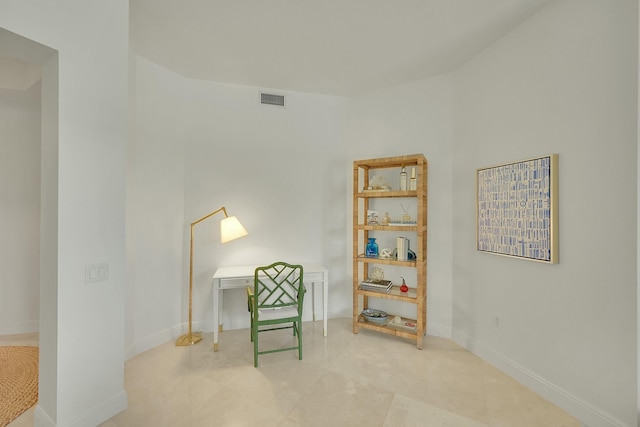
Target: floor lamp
230,229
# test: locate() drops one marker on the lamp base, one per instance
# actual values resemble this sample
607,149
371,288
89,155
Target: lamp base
187,339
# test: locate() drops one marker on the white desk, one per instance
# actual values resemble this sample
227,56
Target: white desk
242,276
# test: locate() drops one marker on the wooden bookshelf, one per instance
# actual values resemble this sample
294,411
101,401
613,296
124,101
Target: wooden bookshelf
364,199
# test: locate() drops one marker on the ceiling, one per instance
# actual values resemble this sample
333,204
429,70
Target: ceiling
336,47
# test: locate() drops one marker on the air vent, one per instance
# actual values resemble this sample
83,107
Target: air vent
271,99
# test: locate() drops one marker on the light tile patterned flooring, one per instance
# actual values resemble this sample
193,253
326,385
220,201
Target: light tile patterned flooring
368,379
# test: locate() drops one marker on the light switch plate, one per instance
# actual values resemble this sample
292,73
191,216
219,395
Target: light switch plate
96,272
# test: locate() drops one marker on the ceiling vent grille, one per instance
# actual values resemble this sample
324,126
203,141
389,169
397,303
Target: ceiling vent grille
271,99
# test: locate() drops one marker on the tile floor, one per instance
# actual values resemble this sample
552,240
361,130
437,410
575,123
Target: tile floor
368,379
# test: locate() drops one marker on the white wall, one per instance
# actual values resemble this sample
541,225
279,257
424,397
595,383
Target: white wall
82,206
276,169
402,120
563,82
155,197
19,210
199,146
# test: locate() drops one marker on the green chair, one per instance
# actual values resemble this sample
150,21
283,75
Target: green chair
276,299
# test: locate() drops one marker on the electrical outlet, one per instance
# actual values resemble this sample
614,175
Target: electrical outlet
497,321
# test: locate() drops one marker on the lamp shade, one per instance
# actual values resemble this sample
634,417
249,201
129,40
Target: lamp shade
231,229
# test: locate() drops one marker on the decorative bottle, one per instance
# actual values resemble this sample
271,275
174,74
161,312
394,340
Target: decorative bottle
404,287
372,248
412,181
403,179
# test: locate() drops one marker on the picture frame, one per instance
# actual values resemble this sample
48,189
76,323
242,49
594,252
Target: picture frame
517,209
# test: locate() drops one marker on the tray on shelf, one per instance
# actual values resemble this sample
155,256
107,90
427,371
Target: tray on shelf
403,324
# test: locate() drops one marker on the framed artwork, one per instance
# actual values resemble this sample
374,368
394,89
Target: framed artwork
517,209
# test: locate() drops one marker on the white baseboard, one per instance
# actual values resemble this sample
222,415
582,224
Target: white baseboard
154,340
101,413
41,418
439,330
587,413
92,417
161,337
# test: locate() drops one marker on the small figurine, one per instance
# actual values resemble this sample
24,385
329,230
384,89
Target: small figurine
404,287
386,219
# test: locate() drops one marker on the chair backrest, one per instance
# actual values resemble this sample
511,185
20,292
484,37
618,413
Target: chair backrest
279,285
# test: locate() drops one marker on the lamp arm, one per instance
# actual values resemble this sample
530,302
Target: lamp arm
223,209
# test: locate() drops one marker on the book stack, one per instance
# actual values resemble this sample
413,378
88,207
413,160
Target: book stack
377,285
403,248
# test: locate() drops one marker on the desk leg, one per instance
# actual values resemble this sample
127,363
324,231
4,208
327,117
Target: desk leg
216,313
313,300
325,300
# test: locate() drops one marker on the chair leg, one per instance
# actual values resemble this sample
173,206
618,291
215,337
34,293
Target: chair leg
255,346
299,330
